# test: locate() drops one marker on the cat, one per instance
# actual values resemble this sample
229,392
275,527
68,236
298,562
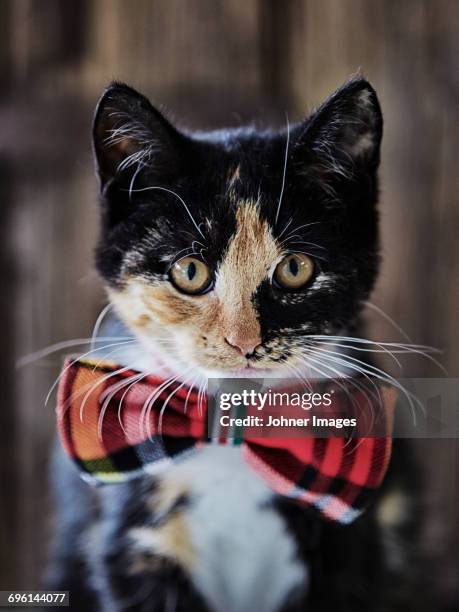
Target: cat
235,252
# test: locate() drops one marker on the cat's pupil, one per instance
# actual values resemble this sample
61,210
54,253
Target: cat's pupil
191,271
293,266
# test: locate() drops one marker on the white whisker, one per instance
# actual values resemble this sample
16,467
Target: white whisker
312,354
296,229
99,321
299,376
284,174
383,349
396,347
313,244
179,198
201,394
140,165
385,316
192,385
107,395
93,387
60,346
289,222
148,404
120,404
306,359
169,397
375,372
309,254
190,248
366,341
56,382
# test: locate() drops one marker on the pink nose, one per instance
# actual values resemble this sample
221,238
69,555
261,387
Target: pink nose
244,345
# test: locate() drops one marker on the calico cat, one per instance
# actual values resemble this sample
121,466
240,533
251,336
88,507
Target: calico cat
235,251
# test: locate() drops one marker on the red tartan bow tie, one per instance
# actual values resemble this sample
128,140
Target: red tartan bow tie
113,425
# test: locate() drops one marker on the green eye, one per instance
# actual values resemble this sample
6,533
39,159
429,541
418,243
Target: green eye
294,271
191,275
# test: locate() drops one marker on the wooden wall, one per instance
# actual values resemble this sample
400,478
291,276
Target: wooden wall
212,62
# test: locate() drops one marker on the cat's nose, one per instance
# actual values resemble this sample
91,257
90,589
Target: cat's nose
245,345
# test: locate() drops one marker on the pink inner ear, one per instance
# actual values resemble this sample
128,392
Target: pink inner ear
117,145
126,146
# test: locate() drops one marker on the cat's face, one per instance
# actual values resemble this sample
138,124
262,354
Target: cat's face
226,251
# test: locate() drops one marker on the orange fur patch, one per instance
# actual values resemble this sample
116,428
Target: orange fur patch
170,539
152,308
242,272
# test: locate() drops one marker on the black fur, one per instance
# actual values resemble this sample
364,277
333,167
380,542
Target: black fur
327,185
331,184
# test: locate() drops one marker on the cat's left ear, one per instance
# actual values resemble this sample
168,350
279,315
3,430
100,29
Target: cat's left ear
129,133
344,135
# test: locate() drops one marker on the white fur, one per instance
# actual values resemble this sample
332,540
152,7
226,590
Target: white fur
244,554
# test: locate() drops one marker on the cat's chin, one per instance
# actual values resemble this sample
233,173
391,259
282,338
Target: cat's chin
247,371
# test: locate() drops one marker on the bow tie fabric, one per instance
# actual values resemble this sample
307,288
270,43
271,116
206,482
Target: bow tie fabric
117,424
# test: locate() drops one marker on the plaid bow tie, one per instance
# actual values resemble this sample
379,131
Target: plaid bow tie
113,424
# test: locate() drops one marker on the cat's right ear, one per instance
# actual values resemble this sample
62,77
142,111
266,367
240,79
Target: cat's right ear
129,135
341,140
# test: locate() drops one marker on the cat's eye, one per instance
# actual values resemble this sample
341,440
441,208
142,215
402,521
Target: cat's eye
191,275
293,271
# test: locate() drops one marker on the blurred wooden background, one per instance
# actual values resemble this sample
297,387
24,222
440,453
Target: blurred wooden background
212,62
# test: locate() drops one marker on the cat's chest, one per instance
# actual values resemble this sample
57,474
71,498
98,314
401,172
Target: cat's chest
228,536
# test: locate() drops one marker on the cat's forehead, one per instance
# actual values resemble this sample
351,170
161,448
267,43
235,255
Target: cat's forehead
240,165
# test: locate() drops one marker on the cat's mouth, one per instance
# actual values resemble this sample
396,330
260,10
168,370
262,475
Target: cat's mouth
253,368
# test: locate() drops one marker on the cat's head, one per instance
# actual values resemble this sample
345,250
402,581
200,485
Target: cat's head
230,249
